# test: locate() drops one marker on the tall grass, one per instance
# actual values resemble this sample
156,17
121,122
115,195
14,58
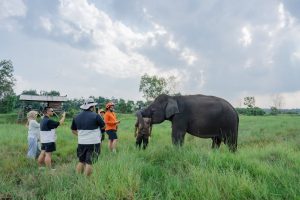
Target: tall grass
266,165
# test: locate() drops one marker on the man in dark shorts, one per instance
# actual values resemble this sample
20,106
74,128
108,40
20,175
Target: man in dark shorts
86,125
48,136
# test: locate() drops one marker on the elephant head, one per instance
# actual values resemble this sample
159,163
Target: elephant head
162,108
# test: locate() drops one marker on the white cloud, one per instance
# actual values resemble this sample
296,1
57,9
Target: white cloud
12,8
117,45
248,64
189,56
46,23
295,57
21,84
284,18
246,38
171,44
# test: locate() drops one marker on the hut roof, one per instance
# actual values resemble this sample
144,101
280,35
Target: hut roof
43,98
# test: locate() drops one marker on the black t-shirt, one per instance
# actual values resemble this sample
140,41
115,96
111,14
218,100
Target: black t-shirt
47,124
87,120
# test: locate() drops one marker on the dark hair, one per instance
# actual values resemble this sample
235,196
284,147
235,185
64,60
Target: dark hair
46,109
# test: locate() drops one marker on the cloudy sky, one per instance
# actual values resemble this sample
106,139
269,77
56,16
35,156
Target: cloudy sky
230,49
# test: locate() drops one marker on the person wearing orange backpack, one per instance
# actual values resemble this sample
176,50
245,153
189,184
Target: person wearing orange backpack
111,126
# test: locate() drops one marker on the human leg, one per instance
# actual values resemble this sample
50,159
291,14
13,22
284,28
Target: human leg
88,170
41,158
32,148
114,145
49,148
80,167
92,154
48,159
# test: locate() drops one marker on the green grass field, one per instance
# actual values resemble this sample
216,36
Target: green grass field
266,165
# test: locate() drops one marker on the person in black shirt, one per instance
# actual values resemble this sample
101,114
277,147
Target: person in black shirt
87,125
48,136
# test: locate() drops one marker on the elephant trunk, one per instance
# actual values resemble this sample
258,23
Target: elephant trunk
140,119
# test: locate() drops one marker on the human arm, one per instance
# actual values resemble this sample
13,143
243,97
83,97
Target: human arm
100,123
75,132
61,121
74,128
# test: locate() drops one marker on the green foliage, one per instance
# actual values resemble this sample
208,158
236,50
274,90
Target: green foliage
30,92
255,111
7,80
152,86
274,111
266,165
51,93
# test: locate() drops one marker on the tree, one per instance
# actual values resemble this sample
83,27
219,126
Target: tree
139,105
278,101
51,93
121,106
249,102
7,103
30,92
7,80
129,106
152,86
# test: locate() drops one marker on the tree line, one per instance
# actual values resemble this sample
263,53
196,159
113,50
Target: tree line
150,86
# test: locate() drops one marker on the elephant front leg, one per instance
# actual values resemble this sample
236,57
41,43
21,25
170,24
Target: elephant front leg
179,127
178,135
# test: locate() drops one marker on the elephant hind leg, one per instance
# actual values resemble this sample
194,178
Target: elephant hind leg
216,142
232,141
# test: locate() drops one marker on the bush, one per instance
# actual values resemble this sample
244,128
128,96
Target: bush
255,111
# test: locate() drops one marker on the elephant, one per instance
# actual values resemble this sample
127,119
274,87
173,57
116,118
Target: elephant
199,115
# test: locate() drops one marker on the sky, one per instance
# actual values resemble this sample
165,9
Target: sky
230,49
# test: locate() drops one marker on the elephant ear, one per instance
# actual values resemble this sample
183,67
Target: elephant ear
172,108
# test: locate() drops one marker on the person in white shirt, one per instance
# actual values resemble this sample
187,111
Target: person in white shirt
33,135
48,136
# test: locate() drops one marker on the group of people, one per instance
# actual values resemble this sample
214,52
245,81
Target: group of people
88,126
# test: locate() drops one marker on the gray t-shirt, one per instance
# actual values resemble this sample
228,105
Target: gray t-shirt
33,129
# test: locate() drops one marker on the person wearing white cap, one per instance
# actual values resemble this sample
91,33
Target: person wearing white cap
86,125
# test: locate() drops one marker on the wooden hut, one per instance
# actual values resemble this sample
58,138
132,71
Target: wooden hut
37,103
